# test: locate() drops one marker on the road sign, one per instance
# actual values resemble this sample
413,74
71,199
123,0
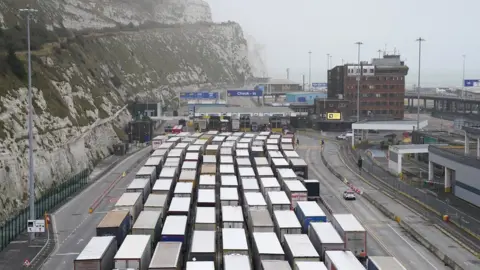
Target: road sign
244,93
471,83
199,95
334,116
36,226
319,85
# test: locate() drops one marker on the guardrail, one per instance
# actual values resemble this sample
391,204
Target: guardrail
419,237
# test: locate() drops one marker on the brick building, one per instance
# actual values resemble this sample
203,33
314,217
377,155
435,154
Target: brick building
382,87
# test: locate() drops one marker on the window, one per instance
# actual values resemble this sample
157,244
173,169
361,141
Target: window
342,105
371,70
378,95
365,70
371,87
392,86
385,86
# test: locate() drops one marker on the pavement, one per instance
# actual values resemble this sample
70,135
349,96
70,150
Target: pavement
73,225
384,236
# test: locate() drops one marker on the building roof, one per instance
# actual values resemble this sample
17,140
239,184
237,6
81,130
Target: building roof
243,110
307,93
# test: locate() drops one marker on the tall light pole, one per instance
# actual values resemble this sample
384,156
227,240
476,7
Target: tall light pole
330,62
342,61
358,81
288,74
379,53
463,79
31,180
419,40
309,70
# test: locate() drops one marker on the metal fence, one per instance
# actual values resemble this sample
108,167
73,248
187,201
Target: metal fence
57,194
461,219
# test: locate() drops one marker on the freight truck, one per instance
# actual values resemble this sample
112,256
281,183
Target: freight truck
342,260
97,254
115,223
352,232
134,253
324,237
384,263
307,212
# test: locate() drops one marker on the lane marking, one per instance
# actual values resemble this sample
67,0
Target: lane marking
80,195
369,230
401,237
416,250
67,254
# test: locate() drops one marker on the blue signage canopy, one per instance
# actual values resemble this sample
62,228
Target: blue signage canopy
244,93
471,83
319,84
199,95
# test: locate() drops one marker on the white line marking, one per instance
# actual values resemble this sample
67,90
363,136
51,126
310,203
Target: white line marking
416,250
67,254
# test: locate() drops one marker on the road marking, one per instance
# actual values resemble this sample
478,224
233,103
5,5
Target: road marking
369,230
67,254
78,196
416,250
401,237
18,242
79,241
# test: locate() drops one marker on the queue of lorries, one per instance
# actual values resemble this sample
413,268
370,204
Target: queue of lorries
214,201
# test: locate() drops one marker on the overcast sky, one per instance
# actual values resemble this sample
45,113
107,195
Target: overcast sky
291,28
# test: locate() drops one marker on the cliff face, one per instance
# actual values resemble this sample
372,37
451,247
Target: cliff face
81,83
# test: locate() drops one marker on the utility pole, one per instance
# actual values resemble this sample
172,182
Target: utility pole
379,53
288,74
342,61
358,81
303,84
309,70
329,61
31,180
419,40
463,80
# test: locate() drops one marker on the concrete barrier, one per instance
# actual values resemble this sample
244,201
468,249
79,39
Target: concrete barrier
422,240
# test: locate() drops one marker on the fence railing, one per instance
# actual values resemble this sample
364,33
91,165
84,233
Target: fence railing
456,216
17,224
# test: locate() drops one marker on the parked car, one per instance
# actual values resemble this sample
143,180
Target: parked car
344,136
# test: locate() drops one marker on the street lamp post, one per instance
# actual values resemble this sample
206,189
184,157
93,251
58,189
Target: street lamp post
419,40
358,81
31,180
309,70
463,80
328,61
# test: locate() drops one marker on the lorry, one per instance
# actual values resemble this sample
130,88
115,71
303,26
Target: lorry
115,223
132,202
342,260
167,256
266,247
299,248
134,253
97,254
324,237
353,233
202,247
307,212
384,263
148,223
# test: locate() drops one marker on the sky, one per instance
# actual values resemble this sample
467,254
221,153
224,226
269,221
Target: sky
289,29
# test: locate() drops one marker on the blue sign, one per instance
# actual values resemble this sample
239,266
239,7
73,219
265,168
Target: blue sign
244,93
319,85
471,83
199,95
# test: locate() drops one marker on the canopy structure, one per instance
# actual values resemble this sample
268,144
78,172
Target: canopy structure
400,125
396,152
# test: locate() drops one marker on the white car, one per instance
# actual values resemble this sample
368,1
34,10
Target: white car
345,136
349,195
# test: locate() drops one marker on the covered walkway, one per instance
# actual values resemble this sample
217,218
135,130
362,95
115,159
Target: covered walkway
396,152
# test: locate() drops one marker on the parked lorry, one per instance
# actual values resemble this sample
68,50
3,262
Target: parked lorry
384,263
307,212
115,223
167,256
134,253
324,237
342,260
353,232
97,254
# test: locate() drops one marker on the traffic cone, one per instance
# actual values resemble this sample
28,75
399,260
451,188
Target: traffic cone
124,174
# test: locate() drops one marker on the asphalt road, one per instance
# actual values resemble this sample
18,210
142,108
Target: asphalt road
385,237
74,226
414,217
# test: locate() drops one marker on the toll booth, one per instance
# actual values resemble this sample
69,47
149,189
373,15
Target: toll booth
299,121
245,124
277,123
140,131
